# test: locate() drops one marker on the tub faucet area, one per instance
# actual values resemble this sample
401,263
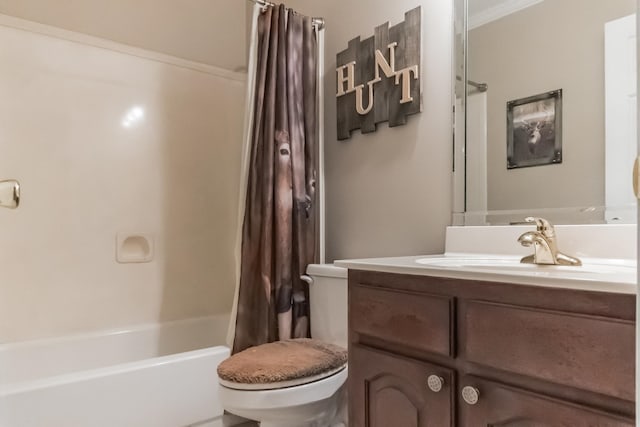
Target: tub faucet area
544,244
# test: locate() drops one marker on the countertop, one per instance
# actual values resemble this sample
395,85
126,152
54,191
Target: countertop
599,275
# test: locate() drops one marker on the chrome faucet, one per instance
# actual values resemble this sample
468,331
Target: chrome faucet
544,244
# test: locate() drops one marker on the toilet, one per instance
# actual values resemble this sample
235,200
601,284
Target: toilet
317,400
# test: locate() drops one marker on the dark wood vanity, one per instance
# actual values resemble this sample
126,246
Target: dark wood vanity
437,352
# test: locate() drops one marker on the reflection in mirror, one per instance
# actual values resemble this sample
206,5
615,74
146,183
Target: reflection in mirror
459,56
548,114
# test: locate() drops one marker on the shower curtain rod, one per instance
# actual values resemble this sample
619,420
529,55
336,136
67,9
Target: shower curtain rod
318,22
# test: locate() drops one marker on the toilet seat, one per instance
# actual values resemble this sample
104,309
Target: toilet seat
281,364
281,384
283,397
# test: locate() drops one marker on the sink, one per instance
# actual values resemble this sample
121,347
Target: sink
597,269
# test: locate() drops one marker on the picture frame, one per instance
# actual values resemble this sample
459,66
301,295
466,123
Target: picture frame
534,130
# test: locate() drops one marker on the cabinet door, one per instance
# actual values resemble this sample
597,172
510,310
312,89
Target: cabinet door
502,406
393,391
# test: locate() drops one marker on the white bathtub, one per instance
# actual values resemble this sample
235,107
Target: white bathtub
161,375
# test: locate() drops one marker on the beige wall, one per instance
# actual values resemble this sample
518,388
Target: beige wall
208,31
389,193
557,44
86,178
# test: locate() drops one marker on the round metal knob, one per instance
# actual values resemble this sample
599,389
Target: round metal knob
470,395
435,383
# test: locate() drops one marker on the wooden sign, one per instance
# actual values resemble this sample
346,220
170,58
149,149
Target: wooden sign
378,79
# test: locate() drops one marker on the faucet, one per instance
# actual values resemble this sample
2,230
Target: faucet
544,244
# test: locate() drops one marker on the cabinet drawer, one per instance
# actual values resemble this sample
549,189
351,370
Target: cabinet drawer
414,320
589,353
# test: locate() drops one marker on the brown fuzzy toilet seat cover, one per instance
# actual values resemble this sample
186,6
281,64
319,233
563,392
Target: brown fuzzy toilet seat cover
282,361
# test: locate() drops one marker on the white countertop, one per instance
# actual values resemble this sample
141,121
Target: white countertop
492,254
616,276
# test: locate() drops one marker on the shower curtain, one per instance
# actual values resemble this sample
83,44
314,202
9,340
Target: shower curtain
280,227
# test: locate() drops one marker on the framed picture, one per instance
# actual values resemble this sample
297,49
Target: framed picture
534,130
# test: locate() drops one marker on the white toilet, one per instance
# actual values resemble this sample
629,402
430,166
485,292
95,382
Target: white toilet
318,401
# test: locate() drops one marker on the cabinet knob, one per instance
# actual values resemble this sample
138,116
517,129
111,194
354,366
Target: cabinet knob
470,395
435,383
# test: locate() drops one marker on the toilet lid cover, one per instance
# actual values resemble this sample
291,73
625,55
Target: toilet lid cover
282,364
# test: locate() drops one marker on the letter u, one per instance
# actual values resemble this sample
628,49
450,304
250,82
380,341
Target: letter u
359,108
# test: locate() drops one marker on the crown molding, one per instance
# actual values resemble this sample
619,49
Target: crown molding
72,36
499,11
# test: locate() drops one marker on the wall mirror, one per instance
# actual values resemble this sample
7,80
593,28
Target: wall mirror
545,111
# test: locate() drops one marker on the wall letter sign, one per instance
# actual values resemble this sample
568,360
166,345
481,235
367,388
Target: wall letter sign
378,79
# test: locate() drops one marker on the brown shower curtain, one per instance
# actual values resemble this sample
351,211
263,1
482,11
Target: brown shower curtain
280,228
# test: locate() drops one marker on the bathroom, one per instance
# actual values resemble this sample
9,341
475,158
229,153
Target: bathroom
125,124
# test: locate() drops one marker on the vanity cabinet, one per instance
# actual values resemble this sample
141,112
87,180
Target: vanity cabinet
438,352
399,391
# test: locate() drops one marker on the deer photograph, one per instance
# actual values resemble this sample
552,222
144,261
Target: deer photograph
533,131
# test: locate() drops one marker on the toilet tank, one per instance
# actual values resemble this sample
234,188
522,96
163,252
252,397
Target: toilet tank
328,303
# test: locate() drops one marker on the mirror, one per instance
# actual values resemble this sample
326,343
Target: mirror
545,111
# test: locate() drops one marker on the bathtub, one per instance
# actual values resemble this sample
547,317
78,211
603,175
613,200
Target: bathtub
161,375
